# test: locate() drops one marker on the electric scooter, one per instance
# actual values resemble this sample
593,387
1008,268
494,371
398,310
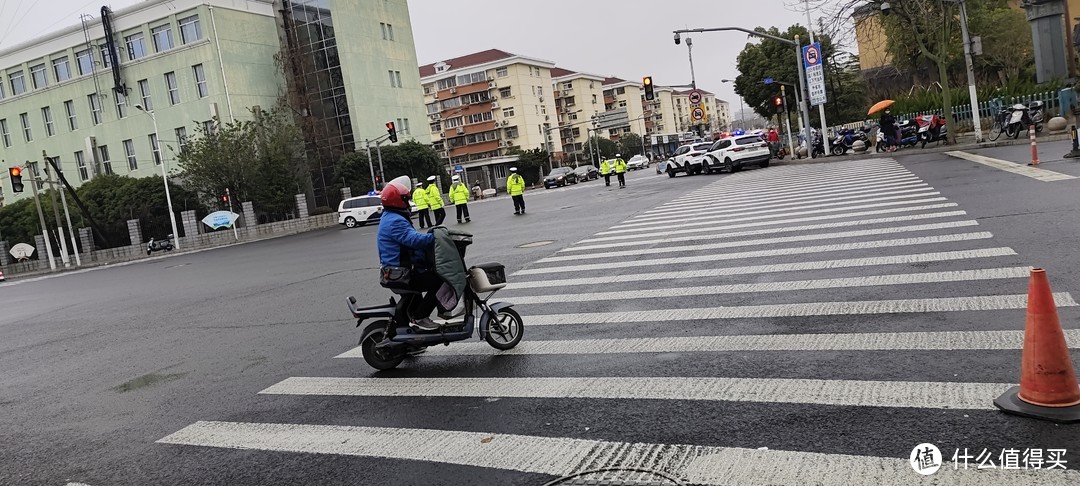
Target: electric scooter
159,245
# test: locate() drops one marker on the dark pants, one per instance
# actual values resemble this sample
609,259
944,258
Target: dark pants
622,178
440,215
425,218
519,203
607,179
462,211
428,283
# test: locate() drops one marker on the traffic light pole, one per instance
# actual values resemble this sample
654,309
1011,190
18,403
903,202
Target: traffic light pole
228,197
787,121
44,227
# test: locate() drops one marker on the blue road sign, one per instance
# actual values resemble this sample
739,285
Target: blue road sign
768,81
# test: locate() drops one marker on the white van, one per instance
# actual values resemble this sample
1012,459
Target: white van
357,211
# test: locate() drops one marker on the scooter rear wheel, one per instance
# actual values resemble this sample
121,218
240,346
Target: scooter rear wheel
506,330
380,359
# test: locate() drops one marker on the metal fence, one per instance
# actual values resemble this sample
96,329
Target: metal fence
987,109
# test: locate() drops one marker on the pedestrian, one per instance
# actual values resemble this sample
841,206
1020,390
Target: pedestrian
888,125
620,170
477,192
434,200
773,138
605,170
459,197
419,198
515,185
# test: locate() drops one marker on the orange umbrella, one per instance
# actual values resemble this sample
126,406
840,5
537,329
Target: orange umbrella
881,105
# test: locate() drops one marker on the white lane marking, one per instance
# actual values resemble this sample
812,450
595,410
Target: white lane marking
842,202
784,229
872,341
1032,172
561,456
652,236
763,241
786,190
865,189
708,220
901,394
801,309
771,268
773,252
787,286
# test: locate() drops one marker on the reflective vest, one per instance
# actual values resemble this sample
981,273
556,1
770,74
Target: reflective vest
434,197
515,185
459,194
605,167
419,198
620,166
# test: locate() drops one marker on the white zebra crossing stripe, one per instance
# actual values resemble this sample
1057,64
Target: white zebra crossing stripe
769,268
708,220
651,236
787,286
873,341
766,231
772,252
892,394
1032,172
763,241
848,308
561,456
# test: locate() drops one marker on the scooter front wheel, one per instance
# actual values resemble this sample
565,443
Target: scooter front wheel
505,330
380,359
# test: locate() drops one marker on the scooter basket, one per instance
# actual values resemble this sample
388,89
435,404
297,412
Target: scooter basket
488,277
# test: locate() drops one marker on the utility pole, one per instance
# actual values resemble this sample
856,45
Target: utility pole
228,197
972,94
371,167
821,107
56,216
55,163
41,218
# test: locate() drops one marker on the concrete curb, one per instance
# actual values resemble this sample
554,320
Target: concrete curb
1055,137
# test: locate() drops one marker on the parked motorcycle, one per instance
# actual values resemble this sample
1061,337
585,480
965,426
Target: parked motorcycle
385,342
819,146
845,140
931,128
159,245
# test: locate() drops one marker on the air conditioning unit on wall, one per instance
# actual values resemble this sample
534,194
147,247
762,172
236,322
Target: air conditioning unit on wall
460,130
453,90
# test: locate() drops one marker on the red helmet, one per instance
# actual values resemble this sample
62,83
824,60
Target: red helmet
396,193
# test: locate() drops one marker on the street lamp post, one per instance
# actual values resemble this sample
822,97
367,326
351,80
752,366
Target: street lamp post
164,178
742,121
976,122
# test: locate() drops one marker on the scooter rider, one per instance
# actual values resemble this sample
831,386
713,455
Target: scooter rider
400,245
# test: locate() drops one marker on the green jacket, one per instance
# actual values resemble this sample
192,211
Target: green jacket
515,185
434,197
459,194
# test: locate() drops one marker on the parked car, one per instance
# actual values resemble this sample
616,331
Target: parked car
733,153
688,159
560,176
360,210
637,162
586,173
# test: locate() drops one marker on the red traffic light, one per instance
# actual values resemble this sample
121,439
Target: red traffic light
225,199
15,172
778,101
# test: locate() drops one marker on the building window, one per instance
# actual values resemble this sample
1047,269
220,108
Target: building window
4,133
129,152
121,106
18,83
154,148
478,117
500,171
174,91
505,92
436,127
2,95
573,116
62,69
162,35
33,166
85,60
622,104
453,122
80,162
144,90
69,107
501,72
451,103
471,78
106,57
428,88
95,108
210,128
395,78
447,83
135,46
27,135
39,77
387,31
407,131
46,117
508,112
106,164
181,137
190,30
511,132
200,81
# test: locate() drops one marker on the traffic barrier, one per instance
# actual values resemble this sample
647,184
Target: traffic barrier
1034,148
1048,389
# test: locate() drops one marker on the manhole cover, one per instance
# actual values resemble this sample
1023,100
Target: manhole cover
536,243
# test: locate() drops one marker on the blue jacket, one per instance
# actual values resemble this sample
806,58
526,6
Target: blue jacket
396,234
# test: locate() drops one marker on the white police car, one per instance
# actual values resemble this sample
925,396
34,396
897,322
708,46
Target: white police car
360,210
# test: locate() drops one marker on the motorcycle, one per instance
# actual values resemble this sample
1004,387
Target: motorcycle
159,245
1019,119
819,147
387,341
931,128
845,140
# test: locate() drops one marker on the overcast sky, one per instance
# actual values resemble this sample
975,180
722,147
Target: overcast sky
624,38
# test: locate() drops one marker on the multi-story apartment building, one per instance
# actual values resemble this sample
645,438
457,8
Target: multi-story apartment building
620,94
660,113
190,62
482,104
578,98
723,116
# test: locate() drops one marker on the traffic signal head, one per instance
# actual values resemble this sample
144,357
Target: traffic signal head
778,103
649,93
392,131
16,179
225,198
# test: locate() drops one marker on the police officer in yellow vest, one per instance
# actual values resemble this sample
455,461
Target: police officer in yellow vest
434,199
419,198
459,197
515,185
605,170
620,170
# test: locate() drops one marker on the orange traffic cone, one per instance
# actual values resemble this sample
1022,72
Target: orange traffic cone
1048,389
